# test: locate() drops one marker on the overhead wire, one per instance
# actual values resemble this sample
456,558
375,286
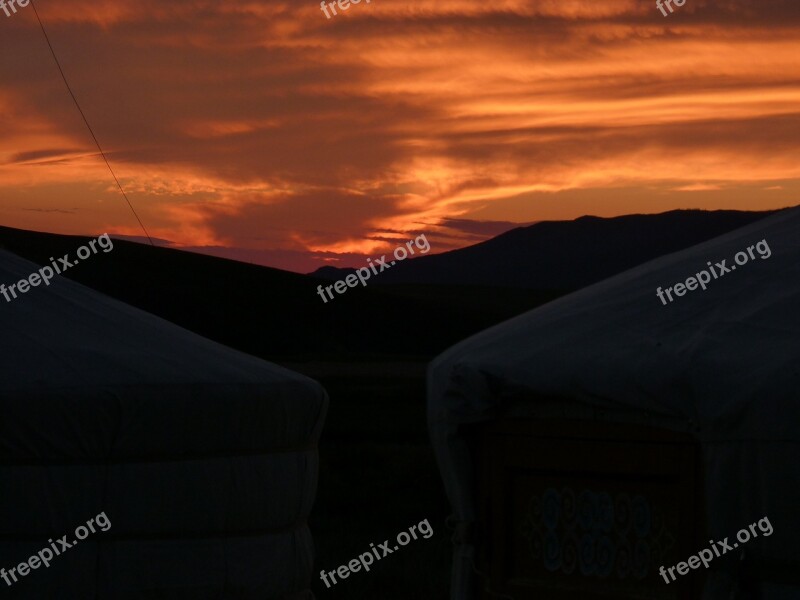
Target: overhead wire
88,126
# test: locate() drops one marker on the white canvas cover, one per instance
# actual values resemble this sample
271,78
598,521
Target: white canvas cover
720,363
203,458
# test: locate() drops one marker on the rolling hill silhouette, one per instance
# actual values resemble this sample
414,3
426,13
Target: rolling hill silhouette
563,255
277,314
421,306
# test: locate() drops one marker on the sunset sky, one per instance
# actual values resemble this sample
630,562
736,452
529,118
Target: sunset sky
266,132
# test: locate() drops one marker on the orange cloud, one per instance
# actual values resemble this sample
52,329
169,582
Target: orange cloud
265,127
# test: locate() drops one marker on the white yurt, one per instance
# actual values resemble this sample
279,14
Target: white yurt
718,366
202,459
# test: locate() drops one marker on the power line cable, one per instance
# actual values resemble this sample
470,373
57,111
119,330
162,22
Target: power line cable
89,127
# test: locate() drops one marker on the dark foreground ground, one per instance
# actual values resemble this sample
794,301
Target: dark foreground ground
378,477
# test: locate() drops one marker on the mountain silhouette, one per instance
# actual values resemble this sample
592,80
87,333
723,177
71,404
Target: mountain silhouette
563,255
417,308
